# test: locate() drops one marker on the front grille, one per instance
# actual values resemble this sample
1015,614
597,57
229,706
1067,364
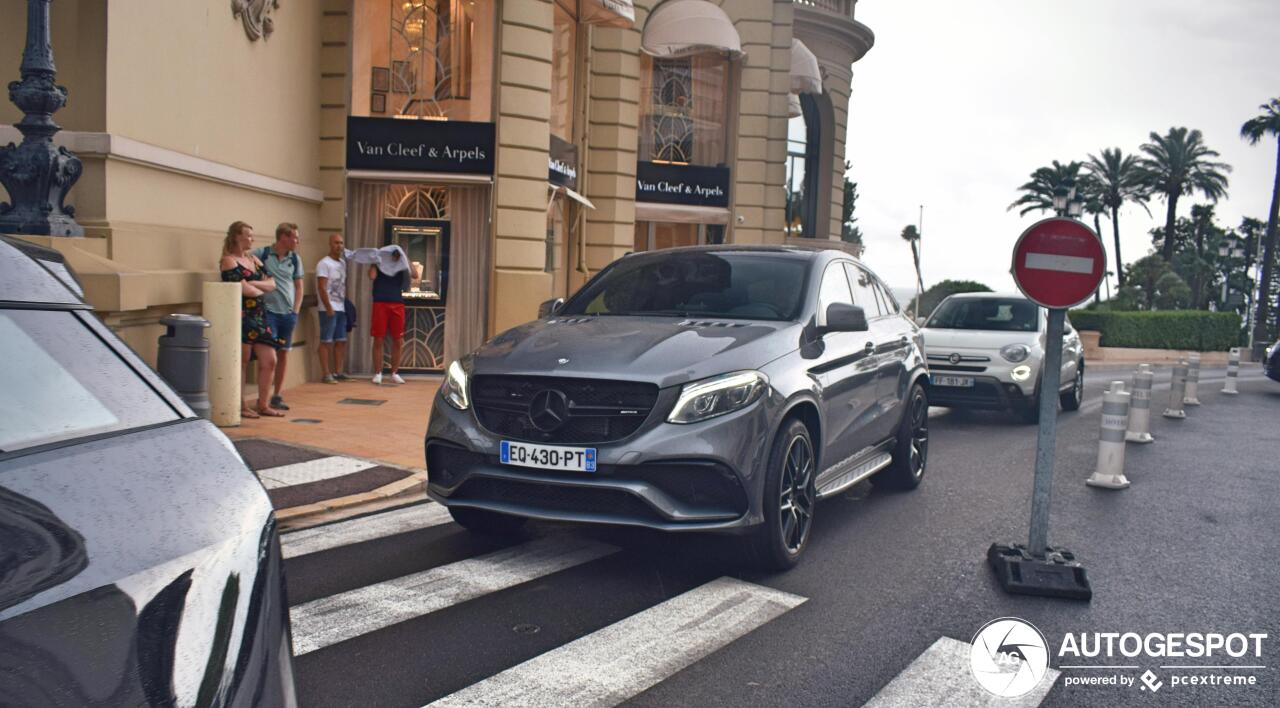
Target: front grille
599,411
949,367
551,497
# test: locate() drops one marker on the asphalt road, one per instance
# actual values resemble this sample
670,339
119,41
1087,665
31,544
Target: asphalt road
404,608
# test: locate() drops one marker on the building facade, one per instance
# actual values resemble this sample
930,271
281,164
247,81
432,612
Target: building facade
512,147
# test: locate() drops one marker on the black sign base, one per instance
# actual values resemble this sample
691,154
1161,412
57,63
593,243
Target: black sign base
1056,574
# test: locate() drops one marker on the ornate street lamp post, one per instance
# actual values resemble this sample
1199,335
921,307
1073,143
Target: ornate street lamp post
37,174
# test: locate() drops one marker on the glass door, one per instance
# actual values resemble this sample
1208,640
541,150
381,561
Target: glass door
426,243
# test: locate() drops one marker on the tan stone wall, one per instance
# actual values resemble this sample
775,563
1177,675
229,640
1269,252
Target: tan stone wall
520,185
609,167
183,75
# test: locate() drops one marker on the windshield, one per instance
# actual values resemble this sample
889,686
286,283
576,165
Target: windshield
696,284
1000,314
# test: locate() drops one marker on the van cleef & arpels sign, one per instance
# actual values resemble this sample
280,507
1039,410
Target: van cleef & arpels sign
682,184
419,145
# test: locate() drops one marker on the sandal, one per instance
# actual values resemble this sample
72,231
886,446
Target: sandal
248,413
270,412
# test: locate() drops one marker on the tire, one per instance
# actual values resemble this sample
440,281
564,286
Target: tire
911,452
1071,399
487,523
790,497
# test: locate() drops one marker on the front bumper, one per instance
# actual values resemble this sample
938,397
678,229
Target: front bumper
987,392
705,476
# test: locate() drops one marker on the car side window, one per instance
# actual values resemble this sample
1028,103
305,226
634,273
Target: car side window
864,292
62,382
890,304
835,288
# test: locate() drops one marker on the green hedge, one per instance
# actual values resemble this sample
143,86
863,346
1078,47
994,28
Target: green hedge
1193,330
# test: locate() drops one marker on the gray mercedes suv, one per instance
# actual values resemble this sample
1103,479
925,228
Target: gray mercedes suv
721,388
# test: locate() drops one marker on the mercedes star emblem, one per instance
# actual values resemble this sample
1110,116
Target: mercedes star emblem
548,410
954,359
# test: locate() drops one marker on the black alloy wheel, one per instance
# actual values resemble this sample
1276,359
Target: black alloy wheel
790,497
798,497
911,453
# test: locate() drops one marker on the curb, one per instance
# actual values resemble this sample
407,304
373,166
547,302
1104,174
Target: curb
411,486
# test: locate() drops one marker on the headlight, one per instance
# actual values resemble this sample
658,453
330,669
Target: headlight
454,388
717,396
1020,373
1014,353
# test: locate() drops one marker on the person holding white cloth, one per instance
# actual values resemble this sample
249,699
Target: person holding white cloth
390,272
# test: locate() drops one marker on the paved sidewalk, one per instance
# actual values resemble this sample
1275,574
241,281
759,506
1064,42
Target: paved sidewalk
389,428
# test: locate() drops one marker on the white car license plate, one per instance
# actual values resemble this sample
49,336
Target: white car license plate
549,457
962,381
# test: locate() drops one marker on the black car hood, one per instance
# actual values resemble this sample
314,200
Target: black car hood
667,351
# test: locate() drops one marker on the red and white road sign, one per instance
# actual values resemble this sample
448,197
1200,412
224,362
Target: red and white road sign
1058,262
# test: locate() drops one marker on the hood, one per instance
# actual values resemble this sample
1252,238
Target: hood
664,350
944,340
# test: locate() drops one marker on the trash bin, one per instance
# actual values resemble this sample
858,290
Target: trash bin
183,360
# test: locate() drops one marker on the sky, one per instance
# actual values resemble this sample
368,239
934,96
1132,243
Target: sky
958,102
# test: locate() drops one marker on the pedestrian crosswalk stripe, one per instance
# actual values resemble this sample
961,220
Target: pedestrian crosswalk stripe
366,528
329,620
615,663
941,676
311,471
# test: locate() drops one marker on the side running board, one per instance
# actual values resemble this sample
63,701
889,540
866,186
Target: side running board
847,478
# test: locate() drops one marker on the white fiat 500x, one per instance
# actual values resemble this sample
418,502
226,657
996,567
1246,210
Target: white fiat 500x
986,350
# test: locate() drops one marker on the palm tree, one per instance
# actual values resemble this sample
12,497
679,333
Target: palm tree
1254,130
912,236
1045,182
1119,180
1178,163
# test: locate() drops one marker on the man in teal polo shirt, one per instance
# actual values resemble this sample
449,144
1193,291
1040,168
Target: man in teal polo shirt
281,262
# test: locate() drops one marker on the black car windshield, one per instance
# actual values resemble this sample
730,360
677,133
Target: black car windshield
992,313
730,285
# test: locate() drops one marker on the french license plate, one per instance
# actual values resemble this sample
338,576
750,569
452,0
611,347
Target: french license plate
962,381
549,457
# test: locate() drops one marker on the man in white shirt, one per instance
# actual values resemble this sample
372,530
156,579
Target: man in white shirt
331,290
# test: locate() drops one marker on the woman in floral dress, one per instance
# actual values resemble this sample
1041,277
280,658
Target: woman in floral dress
239,265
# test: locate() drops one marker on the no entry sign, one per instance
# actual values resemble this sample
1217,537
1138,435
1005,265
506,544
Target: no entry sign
1058,262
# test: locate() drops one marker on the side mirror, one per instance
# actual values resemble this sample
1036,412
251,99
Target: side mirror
842,317
550,307
920,321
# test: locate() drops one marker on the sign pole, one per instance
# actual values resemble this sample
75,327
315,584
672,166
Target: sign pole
1057,263
1045,441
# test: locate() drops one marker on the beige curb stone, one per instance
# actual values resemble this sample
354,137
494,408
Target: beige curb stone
296,516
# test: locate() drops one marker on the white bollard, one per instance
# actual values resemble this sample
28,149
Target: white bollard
1115,420
1193,380
222,309
1177,389
1233,372
1140,407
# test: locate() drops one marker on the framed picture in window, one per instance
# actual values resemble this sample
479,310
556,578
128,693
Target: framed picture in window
381,81
378,103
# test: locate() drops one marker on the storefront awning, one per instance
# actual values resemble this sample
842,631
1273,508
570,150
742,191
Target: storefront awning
681,28
681,213
570,194
805,75
608,13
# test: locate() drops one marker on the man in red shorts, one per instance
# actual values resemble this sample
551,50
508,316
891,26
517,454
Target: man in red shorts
390,278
